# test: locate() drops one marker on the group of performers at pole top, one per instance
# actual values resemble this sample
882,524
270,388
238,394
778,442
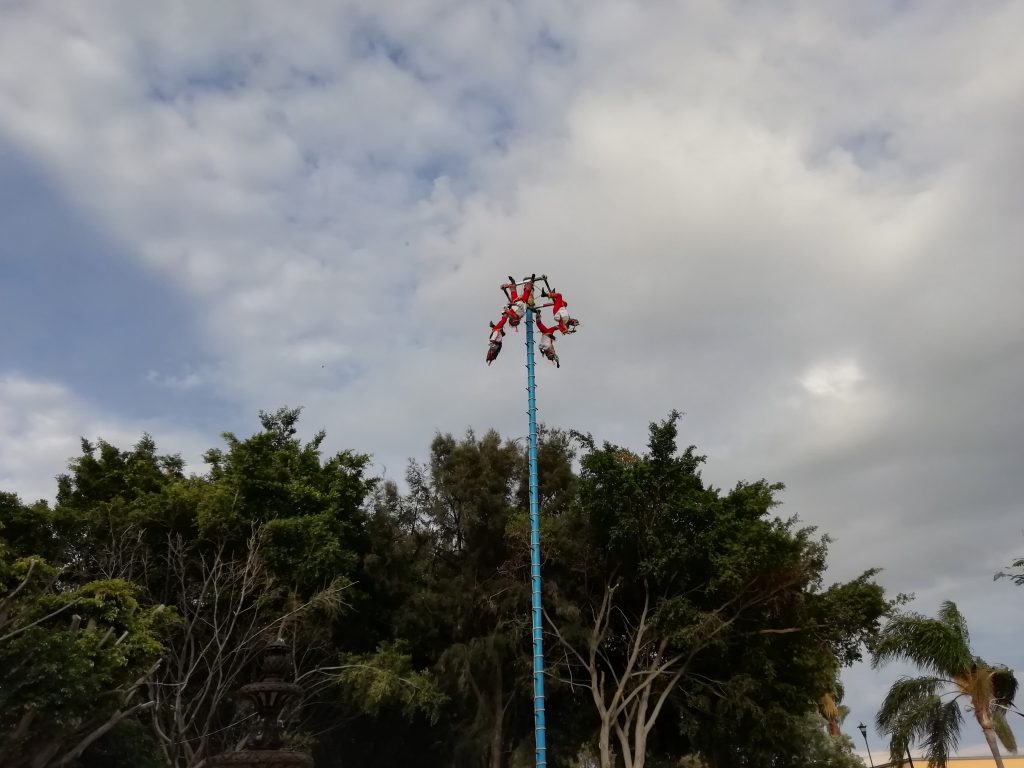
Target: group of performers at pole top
520,301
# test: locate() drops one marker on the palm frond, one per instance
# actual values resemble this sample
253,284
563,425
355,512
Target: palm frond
929,643
1004,685
926,721
899,745
905,696
1003,730
829,710
844,712
952,618
827,707
943,733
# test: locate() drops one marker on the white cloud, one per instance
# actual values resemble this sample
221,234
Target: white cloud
41,426
837,380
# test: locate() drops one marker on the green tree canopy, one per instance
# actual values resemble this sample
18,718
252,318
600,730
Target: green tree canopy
73,658
682,620
668,595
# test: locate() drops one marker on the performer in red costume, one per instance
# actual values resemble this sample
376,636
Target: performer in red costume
494,345
560,311
518,303
547,341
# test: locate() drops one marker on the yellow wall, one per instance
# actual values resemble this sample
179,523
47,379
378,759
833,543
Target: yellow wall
964,762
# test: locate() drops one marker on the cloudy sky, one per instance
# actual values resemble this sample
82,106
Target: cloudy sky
799,223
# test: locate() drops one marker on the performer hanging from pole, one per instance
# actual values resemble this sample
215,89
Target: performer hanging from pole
518,302
560,311
494,344
547,340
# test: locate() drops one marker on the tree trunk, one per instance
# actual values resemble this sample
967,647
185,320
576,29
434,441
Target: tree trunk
640,730
604,744
498,721
990,737
833,727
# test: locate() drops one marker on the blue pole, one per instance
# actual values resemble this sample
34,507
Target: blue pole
538,638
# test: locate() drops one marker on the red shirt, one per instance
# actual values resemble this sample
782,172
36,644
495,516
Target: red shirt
558,302
527,292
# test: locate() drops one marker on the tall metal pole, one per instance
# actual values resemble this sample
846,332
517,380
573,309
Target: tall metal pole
864,732
538,638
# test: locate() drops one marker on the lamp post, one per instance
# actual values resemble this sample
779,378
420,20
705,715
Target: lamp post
864,732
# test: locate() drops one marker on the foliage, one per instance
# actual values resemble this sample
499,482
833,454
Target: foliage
926,709
72,658
817,749
659,580
387,677
407,611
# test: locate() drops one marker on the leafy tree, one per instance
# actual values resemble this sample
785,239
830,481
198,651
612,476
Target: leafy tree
268,541
669,596
73,660
311,510
465,604
470,606
814,747
130,744
694,617
927,709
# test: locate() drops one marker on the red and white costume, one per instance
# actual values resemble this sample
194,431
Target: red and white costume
547,341
518,303
494,343
560,311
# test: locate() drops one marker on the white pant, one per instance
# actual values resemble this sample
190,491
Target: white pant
547,341
519,308
562,316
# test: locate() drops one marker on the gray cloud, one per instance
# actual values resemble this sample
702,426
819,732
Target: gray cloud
798,225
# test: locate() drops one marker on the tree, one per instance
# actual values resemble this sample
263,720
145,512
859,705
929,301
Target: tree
470,605
73,660
927,709
230,609
816,748
461,543
260,545
668,595
694,617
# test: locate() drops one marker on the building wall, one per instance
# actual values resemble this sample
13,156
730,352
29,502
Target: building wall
1009,761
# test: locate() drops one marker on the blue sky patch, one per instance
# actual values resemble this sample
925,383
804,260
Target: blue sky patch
76,309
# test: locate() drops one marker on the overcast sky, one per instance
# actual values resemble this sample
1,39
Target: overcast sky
799,223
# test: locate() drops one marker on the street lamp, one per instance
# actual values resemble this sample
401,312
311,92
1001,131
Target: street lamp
864,732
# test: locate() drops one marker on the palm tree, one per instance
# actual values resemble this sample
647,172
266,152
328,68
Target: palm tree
926,709
832,710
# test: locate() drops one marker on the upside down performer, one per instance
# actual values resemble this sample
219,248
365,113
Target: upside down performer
518,303
560,311
547,341
520,297
494,345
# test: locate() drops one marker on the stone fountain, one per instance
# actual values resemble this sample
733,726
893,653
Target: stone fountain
270,695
